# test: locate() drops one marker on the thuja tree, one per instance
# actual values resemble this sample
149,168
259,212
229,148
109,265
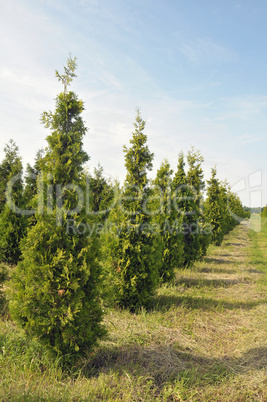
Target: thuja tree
198,237
9,168
11,156
184,210
169,235
223,208
55,289
234,209
131,246
101,194
216,208
12,220
228,222
31,182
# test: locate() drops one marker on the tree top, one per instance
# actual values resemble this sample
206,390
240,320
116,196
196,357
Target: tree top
69,72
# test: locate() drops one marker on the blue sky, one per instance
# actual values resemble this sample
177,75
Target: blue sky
196,68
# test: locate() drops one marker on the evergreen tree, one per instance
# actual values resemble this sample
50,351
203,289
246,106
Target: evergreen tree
180,188
12,221
235,209
228,222
196,242
223,208
9,168
215,208
55,289
187,196
131,253
102,193
184,209
170,237
31,176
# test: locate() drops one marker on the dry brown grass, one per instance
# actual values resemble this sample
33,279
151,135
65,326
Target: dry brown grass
209,327
204,339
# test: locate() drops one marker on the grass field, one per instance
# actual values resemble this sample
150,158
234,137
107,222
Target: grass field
204,340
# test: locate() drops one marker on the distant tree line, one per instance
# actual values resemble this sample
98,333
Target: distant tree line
79,241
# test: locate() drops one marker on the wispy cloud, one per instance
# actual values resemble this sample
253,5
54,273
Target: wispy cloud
243,108
130,56
206,51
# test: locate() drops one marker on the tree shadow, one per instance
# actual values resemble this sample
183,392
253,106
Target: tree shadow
217,261
168,363
234,244
200,283
164,303
255,271
216,270
224,255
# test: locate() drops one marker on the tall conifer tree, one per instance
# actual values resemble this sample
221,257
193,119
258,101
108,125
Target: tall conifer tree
196,185
12,222
183,208
132,252
170,237
215,208
31,180
55,289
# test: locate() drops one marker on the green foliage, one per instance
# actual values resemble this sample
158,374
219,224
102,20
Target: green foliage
12,230
102,193
30,189
138,158
64,155
235,209
10,167
55,289
146,232
215,208
223,209
130,243
198,239
170,237
67,78
3,278
187,199
12,222
133,273
264,212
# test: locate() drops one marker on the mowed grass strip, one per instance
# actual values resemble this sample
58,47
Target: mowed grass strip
203,340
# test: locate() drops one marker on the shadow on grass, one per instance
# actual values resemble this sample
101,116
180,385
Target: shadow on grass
234,244
214,260
255,271
216,270
165,302
215,283
167,363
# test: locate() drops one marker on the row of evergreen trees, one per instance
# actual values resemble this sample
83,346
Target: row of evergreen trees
78,240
